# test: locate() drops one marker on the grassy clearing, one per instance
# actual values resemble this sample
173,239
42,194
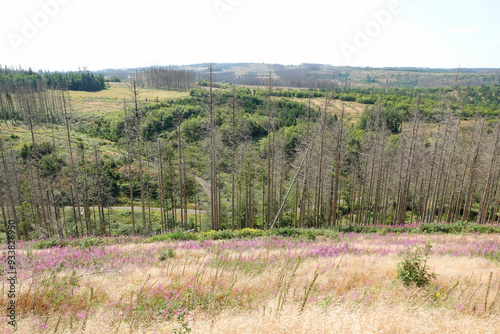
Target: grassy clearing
86,107
120,90
352,110
110,101
258,285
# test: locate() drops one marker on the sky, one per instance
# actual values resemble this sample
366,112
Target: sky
98,34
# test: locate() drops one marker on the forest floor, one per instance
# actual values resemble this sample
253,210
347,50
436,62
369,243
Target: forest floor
343,284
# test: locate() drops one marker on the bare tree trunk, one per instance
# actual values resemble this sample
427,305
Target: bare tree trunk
320,167
462,183
426,214
450,165
304,160
73,204
214,204
439,176
181,183
484,204
378,189
270,153
337,168
161,188
137,118
296,205
233,153
282,175
88,218
72,167
131,188
401,212
239,200
99,193
4,216
472,184
305,184
264,185
37,169
9,191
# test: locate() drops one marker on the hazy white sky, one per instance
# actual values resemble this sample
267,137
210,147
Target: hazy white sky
98,34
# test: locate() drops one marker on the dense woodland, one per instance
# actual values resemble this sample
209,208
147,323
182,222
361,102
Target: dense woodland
12,79
248,157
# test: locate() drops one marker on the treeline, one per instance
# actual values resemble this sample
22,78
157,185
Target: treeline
80,81
24,92
251,160
165,78
12,79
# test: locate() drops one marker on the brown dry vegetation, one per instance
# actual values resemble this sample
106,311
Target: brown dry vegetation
351,294
92,104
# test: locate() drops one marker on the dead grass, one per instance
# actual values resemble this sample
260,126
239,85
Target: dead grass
352,110
224,291
120,90
110,100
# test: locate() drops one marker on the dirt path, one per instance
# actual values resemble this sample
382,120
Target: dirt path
204,184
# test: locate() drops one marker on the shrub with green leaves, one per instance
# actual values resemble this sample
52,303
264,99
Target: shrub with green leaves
413,269
168,254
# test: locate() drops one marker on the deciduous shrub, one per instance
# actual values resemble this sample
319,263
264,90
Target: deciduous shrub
413,269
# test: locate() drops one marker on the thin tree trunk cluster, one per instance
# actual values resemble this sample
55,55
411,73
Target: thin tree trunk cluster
45,102
166,78
336,173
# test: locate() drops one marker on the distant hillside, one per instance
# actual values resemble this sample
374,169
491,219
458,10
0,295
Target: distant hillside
327,76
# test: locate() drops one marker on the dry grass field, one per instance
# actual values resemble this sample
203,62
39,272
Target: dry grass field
343,284
111,100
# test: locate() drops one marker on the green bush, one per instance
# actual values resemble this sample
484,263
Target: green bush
248,232
222,235
413,270
287,232
179,235
168,254
176,235
309,235
49,243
